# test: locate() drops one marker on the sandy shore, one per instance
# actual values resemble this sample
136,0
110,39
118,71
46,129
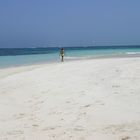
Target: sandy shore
81,100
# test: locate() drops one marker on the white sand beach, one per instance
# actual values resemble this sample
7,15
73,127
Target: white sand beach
96,99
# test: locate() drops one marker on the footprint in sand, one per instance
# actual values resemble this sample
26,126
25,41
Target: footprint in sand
115,86
116,93
87,105
35,125
83,113
19,116
117,70
96,83
39,102
98,102
79,128
46,129
125,138
67,102
16,132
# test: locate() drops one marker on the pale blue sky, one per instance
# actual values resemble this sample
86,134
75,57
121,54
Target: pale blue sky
42,23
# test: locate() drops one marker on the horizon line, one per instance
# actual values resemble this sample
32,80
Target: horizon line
69,46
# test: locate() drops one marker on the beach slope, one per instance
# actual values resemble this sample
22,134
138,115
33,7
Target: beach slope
95,99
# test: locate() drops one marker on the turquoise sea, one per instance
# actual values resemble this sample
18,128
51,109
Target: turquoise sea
11,57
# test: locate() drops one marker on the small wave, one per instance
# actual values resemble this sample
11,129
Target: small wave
74,58
71,57
132,52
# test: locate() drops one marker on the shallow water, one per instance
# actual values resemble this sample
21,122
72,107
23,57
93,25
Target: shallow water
28,56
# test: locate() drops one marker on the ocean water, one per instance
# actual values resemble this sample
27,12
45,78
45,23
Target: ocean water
11,57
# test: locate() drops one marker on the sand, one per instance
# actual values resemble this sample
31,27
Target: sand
95,99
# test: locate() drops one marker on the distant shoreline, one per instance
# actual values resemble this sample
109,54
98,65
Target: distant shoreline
88,46
44,50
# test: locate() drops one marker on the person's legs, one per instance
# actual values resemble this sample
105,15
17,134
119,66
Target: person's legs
62,58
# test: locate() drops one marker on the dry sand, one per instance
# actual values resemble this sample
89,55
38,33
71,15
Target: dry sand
81,100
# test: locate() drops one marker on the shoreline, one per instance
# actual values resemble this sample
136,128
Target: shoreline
76,59
22,68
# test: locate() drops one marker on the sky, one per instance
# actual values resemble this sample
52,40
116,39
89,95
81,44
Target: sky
55,23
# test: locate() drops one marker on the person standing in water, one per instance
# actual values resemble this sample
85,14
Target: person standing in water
62,54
